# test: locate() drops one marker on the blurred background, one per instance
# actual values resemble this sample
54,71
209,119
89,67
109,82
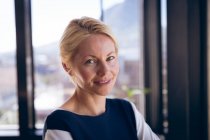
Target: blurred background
163,55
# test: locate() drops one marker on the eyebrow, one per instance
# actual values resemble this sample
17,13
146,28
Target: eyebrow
96,57
111,53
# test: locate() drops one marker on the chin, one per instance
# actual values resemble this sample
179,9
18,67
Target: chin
103,93
103,90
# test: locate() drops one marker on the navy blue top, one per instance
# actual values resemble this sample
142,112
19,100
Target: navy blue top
116,123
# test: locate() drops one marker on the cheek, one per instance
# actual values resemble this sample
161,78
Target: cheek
85,74
115,68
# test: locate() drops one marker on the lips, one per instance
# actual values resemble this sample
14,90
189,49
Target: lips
102,82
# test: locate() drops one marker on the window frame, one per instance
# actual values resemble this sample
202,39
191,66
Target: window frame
153,64
187,69
25,74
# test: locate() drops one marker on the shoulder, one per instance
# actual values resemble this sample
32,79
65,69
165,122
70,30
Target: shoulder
117,101
121,105
56,120
56,115
55,126
124,110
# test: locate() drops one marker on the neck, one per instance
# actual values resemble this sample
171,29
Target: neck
89,104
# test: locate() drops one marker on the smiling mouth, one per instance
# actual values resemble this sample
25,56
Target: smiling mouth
102,82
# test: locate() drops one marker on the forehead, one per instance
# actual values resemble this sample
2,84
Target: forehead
96,44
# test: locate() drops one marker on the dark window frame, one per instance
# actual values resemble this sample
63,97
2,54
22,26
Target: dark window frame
153,64
25,73
187,69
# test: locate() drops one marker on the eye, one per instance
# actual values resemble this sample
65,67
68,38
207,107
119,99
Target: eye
90,61
110,58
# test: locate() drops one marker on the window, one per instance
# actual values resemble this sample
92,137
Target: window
128,30
125,18
8,91
49,19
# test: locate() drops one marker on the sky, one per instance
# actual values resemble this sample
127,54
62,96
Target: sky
7,25
49,19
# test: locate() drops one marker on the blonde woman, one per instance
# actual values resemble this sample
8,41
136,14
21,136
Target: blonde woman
89,54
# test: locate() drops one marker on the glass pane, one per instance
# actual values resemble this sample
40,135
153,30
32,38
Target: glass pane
8,91
49,18
164,64
125,17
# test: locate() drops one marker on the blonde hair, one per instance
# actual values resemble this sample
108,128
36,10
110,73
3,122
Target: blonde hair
77,31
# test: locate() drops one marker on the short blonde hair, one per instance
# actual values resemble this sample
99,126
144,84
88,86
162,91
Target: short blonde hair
77,31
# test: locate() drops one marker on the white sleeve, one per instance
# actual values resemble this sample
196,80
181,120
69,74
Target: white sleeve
144,132
57,135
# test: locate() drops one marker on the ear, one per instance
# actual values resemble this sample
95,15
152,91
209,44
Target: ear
67,69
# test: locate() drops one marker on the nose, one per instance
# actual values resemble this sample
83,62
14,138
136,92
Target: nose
103,68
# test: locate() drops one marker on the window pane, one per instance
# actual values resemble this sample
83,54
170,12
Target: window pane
164,64
49,19
8,91
125,17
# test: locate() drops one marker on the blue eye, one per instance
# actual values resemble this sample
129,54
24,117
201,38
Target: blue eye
110,58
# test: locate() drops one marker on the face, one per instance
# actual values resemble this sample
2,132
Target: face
95,65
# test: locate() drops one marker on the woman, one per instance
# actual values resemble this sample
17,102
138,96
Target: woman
89,55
